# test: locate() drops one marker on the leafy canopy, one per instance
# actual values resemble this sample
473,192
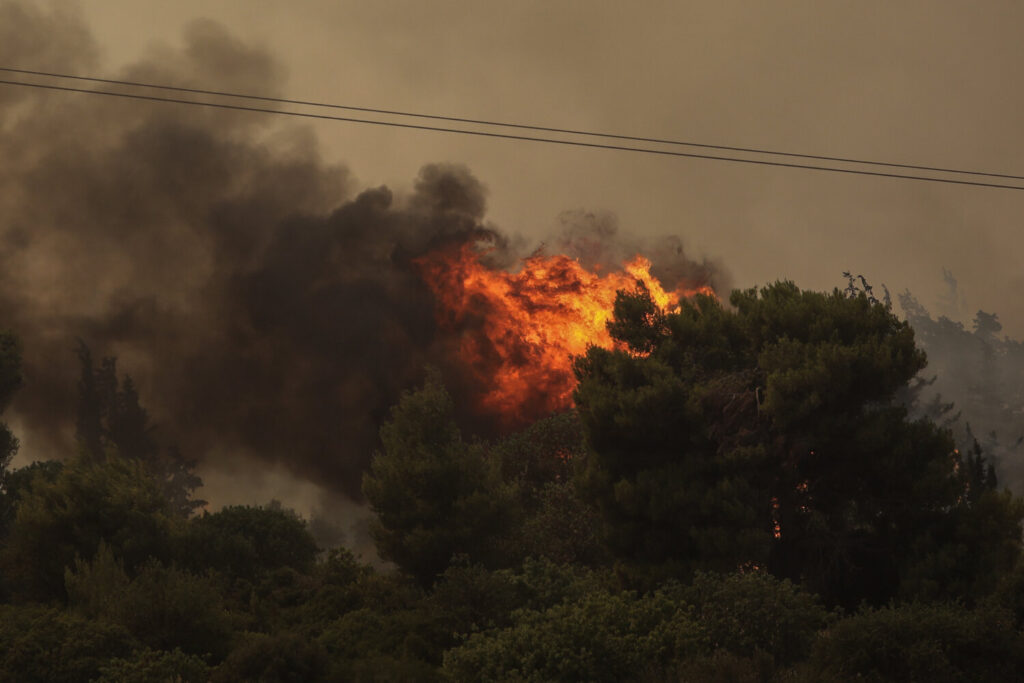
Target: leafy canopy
434,494
766,433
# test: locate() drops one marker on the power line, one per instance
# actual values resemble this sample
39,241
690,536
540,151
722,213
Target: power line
520,126
507,136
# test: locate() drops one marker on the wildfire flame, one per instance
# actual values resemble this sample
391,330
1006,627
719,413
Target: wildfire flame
518,331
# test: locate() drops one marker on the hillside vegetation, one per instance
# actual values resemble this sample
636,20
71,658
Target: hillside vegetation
741,494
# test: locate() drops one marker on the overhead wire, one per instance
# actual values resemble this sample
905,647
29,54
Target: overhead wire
490,134
520,126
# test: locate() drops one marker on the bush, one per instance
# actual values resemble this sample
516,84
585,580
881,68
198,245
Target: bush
397,645
164,608
754,612
146,666
599,637
278,658
49,646
114,502
921,642
248,542
434,494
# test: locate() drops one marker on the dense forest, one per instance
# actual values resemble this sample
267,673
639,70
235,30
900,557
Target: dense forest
769,489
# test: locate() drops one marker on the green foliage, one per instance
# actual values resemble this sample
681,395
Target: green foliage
246,542
17,482
114,502
91,586
543,453
551,520
163,607
544,584
641,415
573,625
753,612
766,438
598,637
966,552
562,527
369,645
280,658
10,368
111,420
470,598
400,634
767,434
920,642
47,645
369,623
147,666
286,599
1009,594
10,382
719,666
637,321
435,496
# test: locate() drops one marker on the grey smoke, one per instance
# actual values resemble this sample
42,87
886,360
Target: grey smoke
263,305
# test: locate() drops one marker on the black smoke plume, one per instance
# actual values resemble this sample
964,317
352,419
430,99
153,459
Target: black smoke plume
262,305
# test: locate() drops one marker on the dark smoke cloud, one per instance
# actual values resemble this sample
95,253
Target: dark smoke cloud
263,306
594,240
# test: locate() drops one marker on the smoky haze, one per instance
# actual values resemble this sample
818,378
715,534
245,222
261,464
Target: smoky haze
266,307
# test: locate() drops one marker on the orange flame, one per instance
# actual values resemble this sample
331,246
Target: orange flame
518,331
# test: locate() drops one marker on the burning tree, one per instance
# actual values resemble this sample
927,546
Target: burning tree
517,331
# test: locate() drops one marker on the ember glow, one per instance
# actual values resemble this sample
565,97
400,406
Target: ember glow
518,331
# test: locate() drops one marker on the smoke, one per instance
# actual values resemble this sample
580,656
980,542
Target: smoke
594,240
266,309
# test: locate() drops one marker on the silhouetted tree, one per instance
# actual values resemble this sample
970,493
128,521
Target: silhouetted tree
434,494
146,665
770,434
87,504
247,542
163,607
111,420
920,642
43,644
10,382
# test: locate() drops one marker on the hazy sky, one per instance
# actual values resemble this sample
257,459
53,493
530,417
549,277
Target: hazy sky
909,82
913,82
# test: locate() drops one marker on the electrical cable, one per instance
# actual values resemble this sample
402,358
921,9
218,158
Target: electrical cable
456,119
507,136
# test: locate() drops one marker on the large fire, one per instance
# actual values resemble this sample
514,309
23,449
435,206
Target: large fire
518,331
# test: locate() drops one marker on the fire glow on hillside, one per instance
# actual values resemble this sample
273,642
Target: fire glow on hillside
517,331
